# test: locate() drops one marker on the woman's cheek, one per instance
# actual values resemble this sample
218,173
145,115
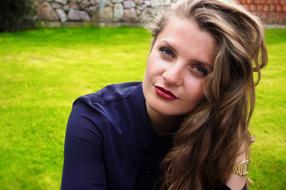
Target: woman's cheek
156,65
161,64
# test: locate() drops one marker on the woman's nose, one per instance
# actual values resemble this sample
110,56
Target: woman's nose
173,75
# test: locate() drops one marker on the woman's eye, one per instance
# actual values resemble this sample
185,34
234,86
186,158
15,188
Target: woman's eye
167,51
200,70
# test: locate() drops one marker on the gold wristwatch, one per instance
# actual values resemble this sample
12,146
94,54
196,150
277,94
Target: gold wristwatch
241,168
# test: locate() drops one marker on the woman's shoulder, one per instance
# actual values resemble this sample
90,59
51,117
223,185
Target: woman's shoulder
111,93
109,105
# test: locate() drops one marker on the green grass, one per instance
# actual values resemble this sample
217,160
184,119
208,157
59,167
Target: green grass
268,168
43,71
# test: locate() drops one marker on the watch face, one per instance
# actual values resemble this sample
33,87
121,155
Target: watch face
245,167
241,168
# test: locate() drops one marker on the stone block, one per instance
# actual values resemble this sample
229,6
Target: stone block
56,5
63,2
73,4
118,11
46,12
77,15
129,4
66,8
116,1
62,15
84,16
107,3
142,7
147,3
138,2
156,3
93,2
93,9
74,15
138,11
130,15
107,14
84,4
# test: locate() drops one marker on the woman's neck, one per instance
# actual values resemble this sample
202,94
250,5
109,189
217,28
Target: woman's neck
162,124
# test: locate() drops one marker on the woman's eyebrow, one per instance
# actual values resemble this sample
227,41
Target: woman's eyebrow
169,45
196,61
210,66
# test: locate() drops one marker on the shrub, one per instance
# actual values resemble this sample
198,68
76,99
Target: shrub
16,14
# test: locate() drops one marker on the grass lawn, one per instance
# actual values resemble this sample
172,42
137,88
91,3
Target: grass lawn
43,71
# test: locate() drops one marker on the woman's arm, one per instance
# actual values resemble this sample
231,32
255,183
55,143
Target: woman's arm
83,160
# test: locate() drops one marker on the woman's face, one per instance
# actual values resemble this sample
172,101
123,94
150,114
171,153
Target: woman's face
179,61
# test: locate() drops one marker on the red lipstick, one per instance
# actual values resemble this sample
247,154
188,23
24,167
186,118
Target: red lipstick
163,93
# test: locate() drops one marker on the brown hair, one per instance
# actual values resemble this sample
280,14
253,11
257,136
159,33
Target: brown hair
209,139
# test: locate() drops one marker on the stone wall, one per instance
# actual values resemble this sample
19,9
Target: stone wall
130,11
96,10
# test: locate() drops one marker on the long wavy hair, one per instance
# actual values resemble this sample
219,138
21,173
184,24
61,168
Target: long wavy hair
212,135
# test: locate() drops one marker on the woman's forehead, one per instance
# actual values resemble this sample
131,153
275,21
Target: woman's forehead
185,36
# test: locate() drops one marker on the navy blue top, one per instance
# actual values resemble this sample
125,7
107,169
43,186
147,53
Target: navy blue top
110,143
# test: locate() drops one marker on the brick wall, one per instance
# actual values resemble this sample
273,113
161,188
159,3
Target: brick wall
270,11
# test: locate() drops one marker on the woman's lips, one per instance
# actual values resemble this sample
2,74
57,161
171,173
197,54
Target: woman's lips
163,93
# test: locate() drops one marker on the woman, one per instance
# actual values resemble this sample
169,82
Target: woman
186,125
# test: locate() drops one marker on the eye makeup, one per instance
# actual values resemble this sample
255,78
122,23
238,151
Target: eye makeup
167,51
